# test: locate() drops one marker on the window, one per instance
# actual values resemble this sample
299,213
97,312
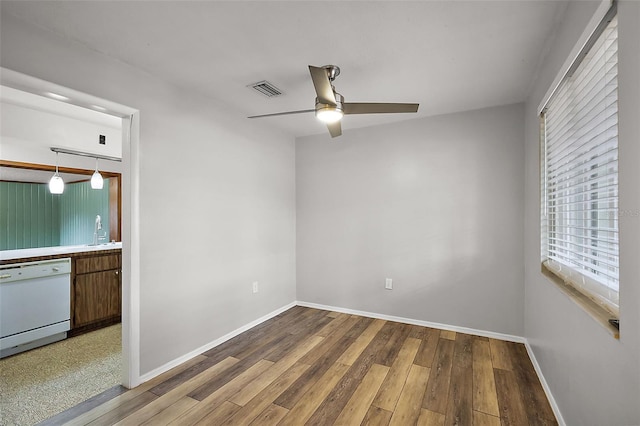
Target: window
580,172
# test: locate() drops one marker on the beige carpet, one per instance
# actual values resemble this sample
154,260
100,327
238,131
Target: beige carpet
38,384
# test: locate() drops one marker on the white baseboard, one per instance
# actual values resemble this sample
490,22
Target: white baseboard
184,358
500,336
484,333
545,385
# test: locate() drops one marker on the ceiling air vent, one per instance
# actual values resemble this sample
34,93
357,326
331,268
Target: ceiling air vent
266,88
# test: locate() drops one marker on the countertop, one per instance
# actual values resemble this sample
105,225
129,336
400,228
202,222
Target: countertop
8,255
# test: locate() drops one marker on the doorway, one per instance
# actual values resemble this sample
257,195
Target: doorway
129,224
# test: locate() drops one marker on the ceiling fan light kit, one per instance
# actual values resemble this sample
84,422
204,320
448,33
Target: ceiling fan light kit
330,106
330,113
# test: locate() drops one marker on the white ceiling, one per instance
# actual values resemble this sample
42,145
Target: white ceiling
447,55
52,106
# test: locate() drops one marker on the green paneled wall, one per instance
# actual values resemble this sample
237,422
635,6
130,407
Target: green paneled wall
79,206
30,216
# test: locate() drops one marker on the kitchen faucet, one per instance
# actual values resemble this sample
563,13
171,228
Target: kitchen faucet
98,227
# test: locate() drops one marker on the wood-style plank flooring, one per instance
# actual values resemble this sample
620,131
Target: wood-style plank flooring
313,367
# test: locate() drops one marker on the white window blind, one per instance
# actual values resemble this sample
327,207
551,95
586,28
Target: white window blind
580,124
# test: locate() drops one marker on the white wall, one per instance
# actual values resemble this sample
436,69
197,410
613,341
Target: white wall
435,204
217,197
594,378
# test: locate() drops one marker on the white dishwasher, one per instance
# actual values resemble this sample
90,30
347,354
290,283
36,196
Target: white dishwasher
35,302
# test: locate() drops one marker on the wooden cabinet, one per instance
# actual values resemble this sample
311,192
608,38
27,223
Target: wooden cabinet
97,291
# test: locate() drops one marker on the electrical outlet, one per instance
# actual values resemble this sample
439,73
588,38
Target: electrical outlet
388,284
255,286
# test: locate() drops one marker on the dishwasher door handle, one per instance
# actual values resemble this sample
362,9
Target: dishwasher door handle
4,276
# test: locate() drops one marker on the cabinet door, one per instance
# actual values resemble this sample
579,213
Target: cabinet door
97,297
115,296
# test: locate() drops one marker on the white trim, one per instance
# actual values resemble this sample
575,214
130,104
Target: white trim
131,251
597,17
476,332
184,358
545,385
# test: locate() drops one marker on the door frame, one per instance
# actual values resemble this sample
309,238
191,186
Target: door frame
130,192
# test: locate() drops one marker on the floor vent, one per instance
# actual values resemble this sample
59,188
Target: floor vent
266,88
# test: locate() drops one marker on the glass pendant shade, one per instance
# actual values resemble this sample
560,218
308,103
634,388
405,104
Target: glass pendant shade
56,184
96,179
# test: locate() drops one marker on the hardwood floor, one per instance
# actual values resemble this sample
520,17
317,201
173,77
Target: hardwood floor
307,366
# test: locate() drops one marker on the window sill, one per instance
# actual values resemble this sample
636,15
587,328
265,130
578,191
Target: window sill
599,314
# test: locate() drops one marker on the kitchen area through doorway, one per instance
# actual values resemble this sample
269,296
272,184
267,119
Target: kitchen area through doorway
60,255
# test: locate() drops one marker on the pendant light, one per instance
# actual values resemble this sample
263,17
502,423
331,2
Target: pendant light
56,184
96,180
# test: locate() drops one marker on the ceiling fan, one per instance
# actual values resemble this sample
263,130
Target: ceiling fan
331,107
